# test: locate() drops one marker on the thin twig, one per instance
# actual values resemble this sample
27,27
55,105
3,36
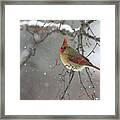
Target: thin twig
89,77
92,37
84,86
92,51
91,31
94,94
90,21
61,22
82,49
44,24
70,80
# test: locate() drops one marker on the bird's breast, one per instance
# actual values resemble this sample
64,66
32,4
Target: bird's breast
64,58
70,65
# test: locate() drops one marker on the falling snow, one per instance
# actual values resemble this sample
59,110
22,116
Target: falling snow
25,64
97,98
45,73
25,47
60,77
50,66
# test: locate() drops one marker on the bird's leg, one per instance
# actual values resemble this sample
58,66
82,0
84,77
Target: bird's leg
70,74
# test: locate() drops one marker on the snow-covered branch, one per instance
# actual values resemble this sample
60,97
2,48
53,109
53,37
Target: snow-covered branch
64,28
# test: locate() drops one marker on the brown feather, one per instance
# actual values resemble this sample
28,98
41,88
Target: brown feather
80,60
65,42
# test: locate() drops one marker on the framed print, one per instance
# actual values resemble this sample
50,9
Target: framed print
60,59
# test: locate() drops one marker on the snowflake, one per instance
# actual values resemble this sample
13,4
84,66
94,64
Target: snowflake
25,64
25,47
96,98
50,66
45,73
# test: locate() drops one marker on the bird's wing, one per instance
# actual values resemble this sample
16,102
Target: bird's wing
79,59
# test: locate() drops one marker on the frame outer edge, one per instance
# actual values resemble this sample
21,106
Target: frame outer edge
0,64
2,59
118,62
2,54
60,2
117,25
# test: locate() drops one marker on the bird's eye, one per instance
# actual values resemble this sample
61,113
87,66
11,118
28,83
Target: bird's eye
63,48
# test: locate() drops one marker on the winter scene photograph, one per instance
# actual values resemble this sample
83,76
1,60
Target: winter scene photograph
59,59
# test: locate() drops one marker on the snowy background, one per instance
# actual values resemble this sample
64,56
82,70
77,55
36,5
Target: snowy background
40,77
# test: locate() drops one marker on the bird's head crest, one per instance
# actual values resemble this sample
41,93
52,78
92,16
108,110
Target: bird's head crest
64,45
65,41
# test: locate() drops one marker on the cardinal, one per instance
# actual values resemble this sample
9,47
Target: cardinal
72,59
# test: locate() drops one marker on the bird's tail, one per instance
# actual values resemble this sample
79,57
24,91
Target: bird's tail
95,67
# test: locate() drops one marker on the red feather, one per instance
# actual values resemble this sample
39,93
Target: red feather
81,60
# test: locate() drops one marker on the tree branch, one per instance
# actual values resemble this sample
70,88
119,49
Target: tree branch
84,86
70,80
92,51
92,37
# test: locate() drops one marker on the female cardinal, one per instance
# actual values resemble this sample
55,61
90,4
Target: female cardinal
72,59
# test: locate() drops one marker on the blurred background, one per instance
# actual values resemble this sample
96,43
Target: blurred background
42,74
